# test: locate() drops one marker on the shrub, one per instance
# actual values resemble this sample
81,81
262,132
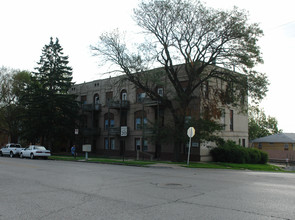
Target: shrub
232,153
264,157
254,155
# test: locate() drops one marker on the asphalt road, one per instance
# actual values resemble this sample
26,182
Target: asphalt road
47,189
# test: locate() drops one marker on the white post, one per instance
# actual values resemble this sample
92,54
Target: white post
189,150
86,155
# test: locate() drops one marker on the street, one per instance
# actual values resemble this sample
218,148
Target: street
48,189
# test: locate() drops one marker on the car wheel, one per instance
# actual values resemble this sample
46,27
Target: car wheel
11,154
32,156
1,154
21,155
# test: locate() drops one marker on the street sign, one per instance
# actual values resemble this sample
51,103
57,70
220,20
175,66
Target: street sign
124,131
191,132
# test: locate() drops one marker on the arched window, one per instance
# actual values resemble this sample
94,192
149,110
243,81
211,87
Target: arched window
124,95
140,120
96,99
109,121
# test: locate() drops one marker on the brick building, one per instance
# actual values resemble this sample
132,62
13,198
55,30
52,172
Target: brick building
111,107
278,146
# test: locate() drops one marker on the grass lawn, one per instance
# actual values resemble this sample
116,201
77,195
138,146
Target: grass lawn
257,167
213,165
104,160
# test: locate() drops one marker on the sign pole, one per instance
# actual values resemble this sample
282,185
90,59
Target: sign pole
189,150
190,133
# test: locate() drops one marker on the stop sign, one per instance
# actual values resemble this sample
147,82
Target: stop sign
191,132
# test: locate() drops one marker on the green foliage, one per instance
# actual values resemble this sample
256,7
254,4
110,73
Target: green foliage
12,82
49,110
261,125
206,130
232,153
208,43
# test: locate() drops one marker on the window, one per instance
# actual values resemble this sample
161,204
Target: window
109,121
286,147
106,143
222,118
140,120
160,91
112,142
137,144
140,95
83,99
231,124
96,99
137,123
124,95
244,142
145,145
109,96
205,88
259,145
96,102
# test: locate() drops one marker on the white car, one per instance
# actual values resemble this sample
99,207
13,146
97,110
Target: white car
35,151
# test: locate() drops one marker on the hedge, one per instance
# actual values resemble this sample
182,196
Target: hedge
230,152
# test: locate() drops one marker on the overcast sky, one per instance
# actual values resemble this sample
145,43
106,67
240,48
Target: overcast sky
27,25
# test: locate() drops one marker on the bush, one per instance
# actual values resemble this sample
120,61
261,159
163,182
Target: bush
232,153
264,157
254,155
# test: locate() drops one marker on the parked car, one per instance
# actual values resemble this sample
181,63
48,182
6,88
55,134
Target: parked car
34,151
11,150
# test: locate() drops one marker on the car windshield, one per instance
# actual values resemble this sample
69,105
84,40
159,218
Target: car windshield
40,148
16,146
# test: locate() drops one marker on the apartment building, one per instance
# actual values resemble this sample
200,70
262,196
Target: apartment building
116,119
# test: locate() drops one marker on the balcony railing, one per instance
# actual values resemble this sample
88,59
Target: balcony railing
148,101
118,104
115,131
91,107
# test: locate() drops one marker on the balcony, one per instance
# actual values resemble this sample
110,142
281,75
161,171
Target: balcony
148,102
119,104
90,131
91,107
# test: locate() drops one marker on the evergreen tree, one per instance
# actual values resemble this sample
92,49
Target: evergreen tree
50,109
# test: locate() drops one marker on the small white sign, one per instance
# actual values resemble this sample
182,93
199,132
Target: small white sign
86,148
76,131
124,131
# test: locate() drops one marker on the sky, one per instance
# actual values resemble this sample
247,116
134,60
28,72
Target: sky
26,26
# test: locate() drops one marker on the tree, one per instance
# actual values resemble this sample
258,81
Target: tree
50,109
261,125
11,83
208,43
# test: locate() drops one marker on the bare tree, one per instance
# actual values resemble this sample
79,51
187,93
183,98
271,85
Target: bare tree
185,38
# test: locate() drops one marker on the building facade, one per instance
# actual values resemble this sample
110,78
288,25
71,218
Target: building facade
278,146
116,118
